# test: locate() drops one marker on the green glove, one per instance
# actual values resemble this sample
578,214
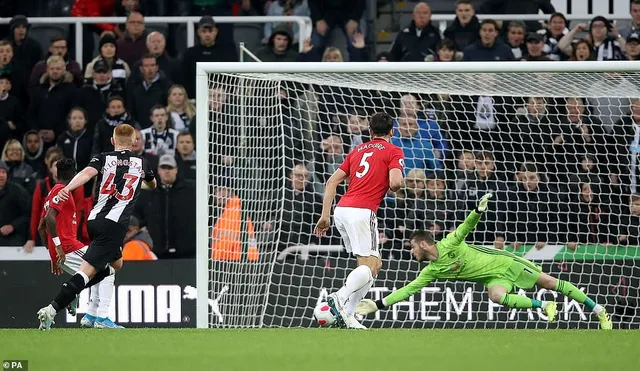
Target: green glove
484,203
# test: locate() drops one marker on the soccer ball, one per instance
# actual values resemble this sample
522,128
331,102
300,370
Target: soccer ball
323,315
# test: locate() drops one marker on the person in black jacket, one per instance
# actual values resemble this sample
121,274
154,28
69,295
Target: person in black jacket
114,115
465,29
488,48
329,14
96,93
14,211
518,7
186,156
16,72
207,50
76,142
420,39
169,213
156,45
152,90
34,153
11,118
26,50
51,101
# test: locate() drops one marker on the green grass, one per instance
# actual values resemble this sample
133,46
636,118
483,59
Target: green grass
322,349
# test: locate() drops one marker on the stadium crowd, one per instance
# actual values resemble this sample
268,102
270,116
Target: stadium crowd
564,170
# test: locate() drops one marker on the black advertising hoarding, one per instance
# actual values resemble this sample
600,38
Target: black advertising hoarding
162,294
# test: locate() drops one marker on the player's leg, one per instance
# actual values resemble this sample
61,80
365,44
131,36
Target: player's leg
105,289
572,292
89,318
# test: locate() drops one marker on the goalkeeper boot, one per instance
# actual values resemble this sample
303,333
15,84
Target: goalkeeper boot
605,321
87,321
73,306
352,323
337,309
550,311
46,316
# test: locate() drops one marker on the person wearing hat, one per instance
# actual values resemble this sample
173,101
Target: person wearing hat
607,42
95,94
14,210
206,50
138,244
168,212
120,70
535,47
279,48
632,46
26,50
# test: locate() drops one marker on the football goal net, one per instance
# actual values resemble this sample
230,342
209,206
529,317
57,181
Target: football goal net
558,143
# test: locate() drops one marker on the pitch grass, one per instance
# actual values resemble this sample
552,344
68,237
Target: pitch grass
323,349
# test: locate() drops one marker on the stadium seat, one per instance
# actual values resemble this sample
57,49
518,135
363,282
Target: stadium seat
249,34
163,28
43,33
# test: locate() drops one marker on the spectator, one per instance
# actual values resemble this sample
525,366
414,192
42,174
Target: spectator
590,221
114,115
530,135
93,8
357,131
51,100
19,171
151,91
26,51
329,157
416,143
634,27
632,47
132,46
581,51
518,7
186,156
76,143
138,244
124,9
279,47
328,15
516,32
207,50
94,96
417,41
535,48
608,98
169,213
533,214
120,71
11,117
465,29
439,209
58,47
138,149
489,48
607,42
34,153
286,7
553,34
181,109
446,53
43,187
160,139
383,57
629,233
624,151
357,52
463,175
16,72
156,44
14,210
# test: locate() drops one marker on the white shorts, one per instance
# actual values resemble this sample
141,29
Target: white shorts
359,230
73,260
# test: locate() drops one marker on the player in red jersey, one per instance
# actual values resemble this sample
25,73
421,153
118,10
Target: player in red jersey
59,227
372,169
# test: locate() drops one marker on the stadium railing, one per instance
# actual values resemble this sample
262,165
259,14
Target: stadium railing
303,22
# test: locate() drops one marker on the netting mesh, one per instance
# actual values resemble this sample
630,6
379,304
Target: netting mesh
559,151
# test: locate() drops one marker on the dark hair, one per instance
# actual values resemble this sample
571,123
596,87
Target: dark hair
157,106
574,50
634,198
467,2
634,2
558,14
422,236
517,24
58,37
485,156
66,169
148,56
490,21
79,109
528,167
381,124
115,97
184,134
447,44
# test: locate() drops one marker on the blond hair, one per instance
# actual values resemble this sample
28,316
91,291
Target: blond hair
12,143
329,50
189,107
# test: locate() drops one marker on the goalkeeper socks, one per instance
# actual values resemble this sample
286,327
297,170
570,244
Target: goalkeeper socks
356,280
519,301
358,295
69,291
572,292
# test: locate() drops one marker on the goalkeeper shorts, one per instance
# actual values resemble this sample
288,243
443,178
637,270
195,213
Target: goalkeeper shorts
521,274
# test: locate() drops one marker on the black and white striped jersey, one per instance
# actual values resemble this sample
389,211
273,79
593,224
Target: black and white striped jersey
120,176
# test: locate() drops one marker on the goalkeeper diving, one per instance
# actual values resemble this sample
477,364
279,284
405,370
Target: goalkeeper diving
500,271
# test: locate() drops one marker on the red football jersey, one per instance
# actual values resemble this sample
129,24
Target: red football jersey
367,167
66,223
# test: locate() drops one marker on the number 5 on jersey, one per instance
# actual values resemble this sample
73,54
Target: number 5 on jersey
365,164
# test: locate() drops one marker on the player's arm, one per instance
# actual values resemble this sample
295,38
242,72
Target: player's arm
330,191
396,167
42,231
367,306
149,181
52,229
469,223
82,178
149,184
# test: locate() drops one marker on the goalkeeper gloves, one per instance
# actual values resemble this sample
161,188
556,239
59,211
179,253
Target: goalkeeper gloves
484,203
368,306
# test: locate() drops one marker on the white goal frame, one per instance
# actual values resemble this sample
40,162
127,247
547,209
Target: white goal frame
202,92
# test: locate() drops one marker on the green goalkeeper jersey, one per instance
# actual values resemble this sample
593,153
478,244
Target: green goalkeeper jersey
458,260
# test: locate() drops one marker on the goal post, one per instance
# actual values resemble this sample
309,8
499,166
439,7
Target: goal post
269,134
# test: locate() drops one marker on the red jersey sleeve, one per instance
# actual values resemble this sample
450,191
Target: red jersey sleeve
397,159
346,164
55,202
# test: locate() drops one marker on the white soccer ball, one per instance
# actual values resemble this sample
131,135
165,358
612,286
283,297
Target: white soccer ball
323,315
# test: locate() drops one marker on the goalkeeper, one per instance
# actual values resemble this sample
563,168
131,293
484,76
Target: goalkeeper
500,271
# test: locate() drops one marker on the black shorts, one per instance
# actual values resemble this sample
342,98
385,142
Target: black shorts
107,238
